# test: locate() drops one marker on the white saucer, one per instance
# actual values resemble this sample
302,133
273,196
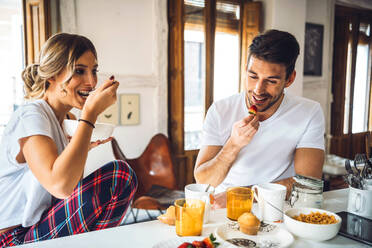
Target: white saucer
175,242
277,237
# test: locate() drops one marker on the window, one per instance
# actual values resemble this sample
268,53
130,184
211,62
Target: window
208,42
362,80
11,59
194,76
15,52
226,50
350,118
220,35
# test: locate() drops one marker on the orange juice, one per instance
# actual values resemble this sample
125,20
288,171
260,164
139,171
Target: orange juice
239,201
189,217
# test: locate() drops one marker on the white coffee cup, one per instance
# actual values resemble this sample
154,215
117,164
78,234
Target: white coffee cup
197,191
360,202
270,198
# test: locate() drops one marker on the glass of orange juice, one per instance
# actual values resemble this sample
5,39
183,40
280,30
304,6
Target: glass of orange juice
239,201
189,217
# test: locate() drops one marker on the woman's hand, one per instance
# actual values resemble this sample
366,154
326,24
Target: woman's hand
95,143
98,142
101,98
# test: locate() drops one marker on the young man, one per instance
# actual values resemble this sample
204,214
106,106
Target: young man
284,138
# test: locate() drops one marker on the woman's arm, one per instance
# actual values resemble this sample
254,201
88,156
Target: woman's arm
59,174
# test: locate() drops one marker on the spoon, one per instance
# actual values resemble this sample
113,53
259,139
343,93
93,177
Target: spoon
206,190
348,167
272,205
361,160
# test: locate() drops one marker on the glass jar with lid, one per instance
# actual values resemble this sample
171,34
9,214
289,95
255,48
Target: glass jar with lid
306,192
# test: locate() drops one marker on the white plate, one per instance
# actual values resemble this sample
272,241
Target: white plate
175,242
278,237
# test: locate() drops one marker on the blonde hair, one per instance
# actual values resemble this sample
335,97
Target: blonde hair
59,52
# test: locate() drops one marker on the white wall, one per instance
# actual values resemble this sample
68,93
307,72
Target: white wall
122,31
319,88
131,41
288,15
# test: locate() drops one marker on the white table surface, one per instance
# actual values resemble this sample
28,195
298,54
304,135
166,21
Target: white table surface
147,234
335,165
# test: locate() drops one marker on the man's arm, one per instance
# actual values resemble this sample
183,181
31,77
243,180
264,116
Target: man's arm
308,162
214,162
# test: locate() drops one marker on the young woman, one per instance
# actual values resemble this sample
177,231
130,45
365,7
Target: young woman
42,193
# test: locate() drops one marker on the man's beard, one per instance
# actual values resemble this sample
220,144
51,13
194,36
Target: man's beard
270,104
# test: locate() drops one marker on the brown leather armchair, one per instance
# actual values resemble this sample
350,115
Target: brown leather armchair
155,173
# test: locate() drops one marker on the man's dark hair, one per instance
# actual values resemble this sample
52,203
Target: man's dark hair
277,47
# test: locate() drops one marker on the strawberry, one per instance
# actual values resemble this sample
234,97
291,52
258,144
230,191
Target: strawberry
198,244
210,242
252,110
186,245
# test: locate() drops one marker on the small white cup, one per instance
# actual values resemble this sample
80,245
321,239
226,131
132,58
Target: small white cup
197,191
360,202
274,194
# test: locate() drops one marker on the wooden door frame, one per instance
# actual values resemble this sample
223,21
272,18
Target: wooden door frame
42,30
185,160
176,86
346,145
210,31
251,25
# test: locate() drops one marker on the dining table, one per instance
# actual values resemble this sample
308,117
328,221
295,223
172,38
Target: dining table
150,233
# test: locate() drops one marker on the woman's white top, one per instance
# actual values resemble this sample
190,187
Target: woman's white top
297,123
22,198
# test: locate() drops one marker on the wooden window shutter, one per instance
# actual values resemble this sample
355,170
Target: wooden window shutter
37,27
251,23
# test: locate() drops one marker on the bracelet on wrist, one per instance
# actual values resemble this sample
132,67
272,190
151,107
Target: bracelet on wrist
87,122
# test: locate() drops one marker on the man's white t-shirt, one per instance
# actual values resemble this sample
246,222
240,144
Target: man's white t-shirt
297,123
22,198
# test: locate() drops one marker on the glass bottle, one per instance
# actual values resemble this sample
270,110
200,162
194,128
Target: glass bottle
306,192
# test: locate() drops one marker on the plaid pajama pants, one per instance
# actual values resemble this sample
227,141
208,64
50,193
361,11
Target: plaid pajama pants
99,201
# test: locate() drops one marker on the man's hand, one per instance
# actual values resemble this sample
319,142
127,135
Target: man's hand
214,162
243,131
288,182
219,200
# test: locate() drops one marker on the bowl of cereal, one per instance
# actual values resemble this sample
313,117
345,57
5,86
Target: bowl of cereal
312,223
101,131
